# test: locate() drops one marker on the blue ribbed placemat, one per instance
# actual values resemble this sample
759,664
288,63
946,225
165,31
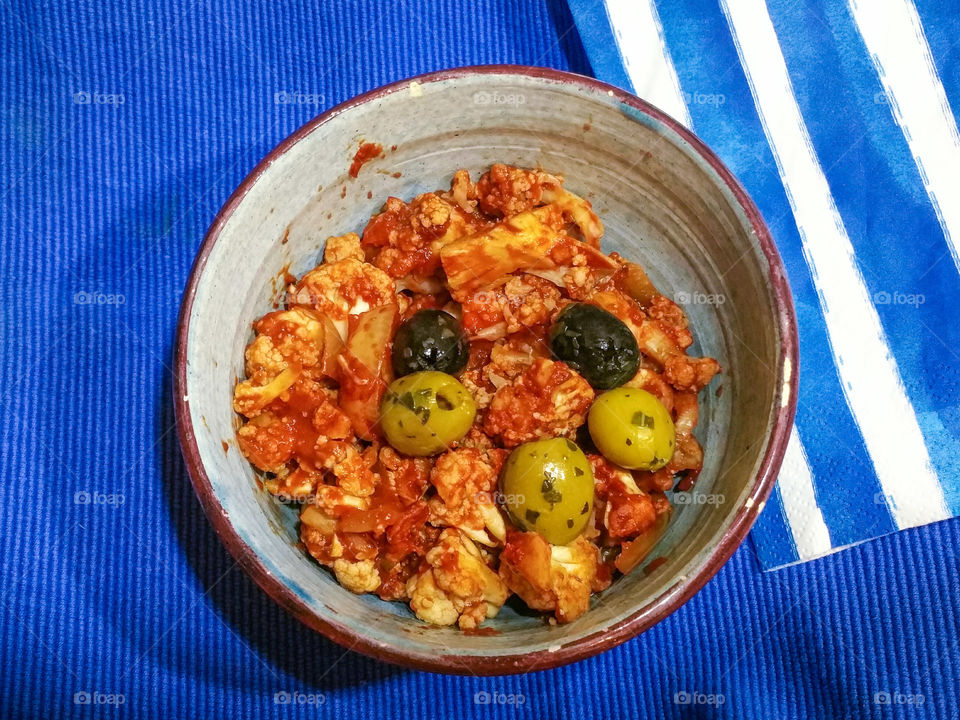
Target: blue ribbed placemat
131,593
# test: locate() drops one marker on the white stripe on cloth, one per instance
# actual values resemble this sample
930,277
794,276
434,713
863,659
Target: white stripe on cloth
639,36
869,374
894,37
640,21
810,533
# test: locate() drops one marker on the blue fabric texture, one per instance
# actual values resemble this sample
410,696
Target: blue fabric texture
124,127
899,246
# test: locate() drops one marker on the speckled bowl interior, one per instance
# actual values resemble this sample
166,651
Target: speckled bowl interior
665,202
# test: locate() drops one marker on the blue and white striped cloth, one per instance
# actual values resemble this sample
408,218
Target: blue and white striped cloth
838,118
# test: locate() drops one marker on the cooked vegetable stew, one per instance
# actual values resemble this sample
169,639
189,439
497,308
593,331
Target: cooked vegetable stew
422,394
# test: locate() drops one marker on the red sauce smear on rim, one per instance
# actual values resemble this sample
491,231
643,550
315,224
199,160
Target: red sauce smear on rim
366,152
654,564
482,631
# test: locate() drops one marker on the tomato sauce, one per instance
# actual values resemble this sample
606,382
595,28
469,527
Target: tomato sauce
366,152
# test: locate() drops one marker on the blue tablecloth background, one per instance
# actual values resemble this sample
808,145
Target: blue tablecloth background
124,127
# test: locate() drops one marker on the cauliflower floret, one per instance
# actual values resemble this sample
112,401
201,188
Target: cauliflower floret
344,288
622,507
335,500
473,377
289,346
266,441
672,319
506,190
577,267
687,454
690,373
466,482
554,578
408,237
429,602
342,247
249,398
295,485
463,191
287,338
358,577
476,438
574,571
579,282
430,214
510,356
500,363
349,466
263,358
524,301
479,389
547,400
455,584
321,535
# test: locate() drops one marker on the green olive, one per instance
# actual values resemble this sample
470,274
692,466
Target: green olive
547,487
632,428
425,412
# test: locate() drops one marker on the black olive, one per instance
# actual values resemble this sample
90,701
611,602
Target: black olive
429,340
596,344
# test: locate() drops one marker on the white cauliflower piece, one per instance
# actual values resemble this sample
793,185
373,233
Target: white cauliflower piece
250,398
265,441
358,577
264,358
343,288
286,338
349,466
342,247
466,481
333,500
550,577
429,602
455,584
505,190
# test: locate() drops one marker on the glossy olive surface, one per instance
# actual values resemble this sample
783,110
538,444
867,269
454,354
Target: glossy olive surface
596,344
632,428
429,340
425,412
547,487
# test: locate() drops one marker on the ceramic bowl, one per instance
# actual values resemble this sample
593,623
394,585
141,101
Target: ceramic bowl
666,201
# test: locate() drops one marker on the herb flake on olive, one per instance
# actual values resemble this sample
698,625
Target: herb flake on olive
596,344
429,340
